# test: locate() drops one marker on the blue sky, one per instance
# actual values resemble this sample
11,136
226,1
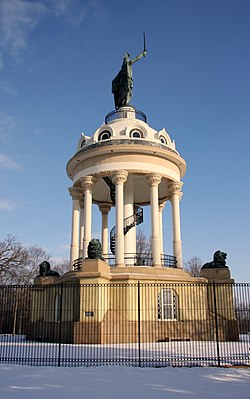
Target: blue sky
57,61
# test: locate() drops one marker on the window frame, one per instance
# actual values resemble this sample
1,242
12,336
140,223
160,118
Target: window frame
167,305
100,136
163,140
136,131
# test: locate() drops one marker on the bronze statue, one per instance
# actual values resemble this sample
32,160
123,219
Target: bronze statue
95,249
44,270
122,84
219,261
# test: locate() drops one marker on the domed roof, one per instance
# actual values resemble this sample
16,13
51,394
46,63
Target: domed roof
127,124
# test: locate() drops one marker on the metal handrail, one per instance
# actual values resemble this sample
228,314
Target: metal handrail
77,264
133,259
128,223
123,113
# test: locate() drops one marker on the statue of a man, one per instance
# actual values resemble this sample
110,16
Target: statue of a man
122,84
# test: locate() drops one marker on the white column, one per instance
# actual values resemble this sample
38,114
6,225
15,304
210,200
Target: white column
81,203
87,184
175,196
119,179
104,209
161,207
154,180
76,194
130,236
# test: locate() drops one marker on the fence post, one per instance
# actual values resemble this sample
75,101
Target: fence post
60,327
216,324
139,323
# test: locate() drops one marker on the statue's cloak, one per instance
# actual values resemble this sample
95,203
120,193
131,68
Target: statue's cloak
122,85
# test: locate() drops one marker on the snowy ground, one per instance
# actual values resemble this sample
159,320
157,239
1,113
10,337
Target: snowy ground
116,382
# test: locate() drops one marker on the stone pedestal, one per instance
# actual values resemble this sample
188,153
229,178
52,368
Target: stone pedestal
95,266
220,301
217,274
46,280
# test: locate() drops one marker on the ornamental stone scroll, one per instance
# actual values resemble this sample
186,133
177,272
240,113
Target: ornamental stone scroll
119,177
88,182
174,188
76,193
153,180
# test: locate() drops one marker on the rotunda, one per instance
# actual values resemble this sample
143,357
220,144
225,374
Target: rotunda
127,165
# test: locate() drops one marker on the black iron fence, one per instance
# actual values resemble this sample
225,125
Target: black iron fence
127,324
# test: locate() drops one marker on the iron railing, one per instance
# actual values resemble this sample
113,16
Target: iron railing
124,113
128,223
143,259
139,324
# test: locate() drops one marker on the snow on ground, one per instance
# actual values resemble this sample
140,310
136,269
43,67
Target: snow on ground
117,382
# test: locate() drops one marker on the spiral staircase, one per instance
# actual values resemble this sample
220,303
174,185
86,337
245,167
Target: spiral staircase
129,222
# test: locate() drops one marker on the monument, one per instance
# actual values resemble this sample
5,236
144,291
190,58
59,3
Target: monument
124,166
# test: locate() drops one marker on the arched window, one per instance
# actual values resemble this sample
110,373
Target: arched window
167,304
163,140
83,143
58,304
136,134
105,135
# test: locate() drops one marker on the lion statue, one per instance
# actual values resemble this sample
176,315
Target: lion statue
95,249
219,261
45,271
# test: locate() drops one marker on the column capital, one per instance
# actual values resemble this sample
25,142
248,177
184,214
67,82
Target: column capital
119,177
76,193
104,208
153,179
174,187
88,182
161,206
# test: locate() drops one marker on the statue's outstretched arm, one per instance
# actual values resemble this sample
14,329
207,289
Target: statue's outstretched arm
142,54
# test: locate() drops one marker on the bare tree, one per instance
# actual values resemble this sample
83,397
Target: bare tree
11,259
62,267
193,266
143,245
33,256
18,264
143,248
